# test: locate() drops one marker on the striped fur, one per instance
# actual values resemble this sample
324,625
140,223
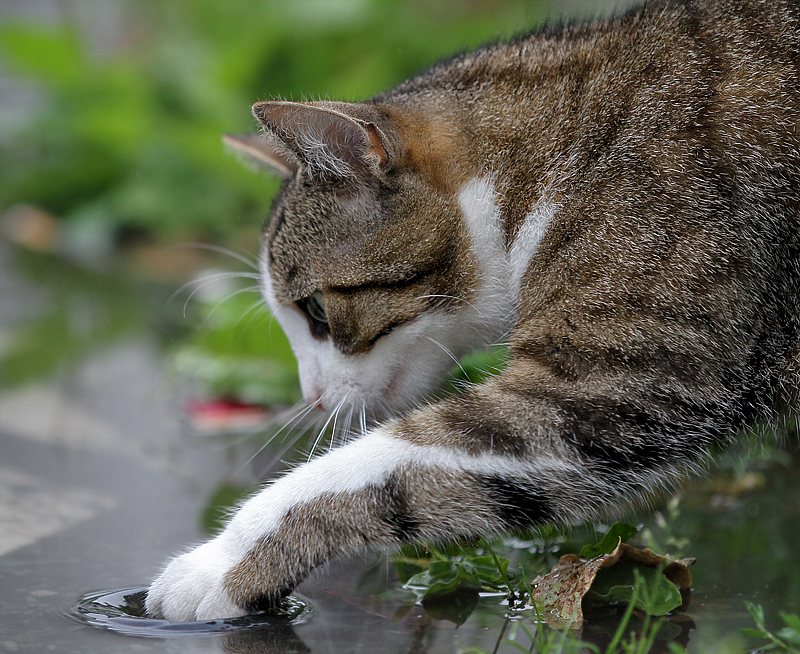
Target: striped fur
619,202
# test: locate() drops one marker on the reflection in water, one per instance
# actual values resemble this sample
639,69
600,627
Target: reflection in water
278,639
675,629
123,611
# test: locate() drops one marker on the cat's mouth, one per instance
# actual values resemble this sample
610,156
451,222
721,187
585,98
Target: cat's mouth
378,406
382,405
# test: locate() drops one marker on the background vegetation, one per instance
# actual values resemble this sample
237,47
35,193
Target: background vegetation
126,135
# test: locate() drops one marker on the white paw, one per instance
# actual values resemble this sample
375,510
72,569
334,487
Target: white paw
192,586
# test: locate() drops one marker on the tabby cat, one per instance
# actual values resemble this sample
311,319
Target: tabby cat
618,202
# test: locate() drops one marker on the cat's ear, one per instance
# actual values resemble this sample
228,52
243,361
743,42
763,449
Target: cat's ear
325,138
261,151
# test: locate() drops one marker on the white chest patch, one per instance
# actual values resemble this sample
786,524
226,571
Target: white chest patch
527,241
501,270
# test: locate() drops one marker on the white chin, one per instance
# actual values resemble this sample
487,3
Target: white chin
380,399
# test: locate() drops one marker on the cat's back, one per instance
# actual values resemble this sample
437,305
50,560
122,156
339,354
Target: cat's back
666,144
661,65
739,37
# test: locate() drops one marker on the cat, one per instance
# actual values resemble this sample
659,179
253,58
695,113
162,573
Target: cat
619,202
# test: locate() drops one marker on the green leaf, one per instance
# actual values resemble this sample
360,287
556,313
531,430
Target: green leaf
614,585
756,612
443,578
790,636
792,622
620,530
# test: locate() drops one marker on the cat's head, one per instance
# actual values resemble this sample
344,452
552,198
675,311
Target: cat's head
369,263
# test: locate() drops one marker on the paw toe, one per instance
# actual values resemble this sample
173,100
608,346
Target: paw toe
192,588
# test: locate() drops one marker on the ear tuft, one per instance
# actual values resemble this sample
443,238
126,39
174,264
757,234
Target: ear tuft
263,152
325,139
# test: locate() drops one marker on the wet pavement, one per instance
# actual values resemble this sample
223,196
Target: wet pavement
101,481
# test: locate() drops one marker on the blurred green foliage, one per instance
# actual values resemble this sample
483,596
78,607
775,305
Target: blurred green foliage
131,137
86,309
83,310
786,640
240,352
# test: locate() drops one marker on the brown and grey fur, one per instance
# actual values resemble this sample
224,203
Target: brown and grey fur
658,315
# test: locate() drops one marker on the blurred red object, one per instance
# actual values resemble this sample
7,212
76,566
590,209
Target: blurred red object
225,415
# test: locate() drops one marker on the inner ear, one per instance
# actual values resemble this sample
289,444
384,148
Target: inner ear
325,139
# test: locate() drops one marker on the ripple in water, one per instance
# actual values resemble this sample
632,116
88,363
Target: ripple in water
123,611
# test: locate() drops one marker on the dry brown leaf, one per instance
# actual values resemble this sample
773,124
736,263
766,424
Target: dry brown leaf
559,593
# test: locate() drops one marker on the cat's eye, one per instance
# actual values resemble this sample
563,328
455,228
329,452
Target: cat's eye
314,309
315,306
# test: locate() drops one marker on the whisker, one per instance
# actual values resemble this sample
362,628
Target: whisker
355,426
318,438
246,289
332,416
246,258
205,281
362,416
308,409
257,310
294,413
293,441
346,428
306,421
332,442
209,279
448,353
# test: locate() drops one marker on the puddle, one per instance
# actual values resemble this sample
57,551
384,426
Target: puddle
123,611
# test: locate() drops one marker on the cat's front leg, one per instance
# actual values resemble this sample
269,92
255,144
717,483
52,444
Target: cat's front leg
399,483
192,587
336,504
490,460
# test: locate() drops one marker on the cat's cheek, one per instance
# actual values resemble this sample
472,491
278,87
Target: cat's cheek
192,587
